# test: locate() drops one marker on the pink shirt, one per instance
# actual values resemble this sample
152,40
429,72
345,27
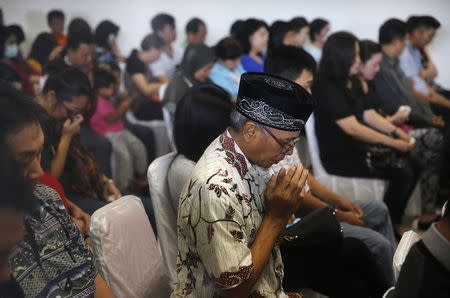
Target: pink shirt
98,122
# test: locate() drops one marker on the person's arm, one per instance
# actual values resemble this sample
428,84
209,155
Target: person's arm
120,111
69,130
283,196
399,118
102,290
431,98
76,213
55,53
323,193
352,127
345,209
375,120
144,86
438,99
116,51
111,189
261,249
430,72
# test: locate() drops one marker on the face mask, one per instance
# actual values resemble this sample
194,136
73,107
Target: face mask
11,50
111,38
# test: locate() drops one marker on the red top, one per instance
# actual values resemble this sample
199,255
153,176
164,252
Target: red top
50,181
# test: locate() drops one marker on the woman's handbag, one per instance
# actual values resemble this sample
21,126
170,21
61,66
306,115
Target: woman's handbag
381,157
320,227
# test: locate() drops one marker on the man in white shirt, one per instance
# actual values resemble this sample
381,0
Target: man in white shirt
164,26
318,33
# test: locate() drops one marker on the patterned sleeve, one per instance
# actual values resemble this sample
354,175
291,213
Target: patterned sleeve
220,232
56,208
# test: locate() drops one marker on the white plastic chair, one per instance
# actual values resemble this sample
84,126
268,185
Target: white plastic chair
159,129
167,117
126,251
165,214
408,240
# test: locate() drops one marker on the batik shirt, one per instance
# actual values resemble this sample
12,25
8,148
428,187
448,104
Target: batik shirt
219,213
52,260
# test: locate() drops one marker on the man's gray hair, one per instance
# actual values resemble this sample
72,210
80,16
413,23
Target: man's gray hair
237,120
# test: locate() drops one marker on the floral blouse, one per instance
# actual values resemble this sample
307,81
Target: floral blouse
219,213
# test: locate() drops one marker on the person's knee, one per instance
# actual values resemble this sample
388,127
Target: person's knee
405,176
383,248
376,212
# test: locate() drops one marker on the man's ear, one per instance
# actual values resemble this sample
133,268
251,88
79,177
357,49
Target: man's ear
250,131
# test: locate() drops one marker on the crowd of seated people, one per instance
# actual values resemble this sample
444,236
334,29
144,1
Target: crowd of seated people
77,130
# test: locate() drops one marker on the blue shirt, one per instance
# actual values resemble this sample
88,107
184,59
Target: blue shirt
226,78
251,65
411,64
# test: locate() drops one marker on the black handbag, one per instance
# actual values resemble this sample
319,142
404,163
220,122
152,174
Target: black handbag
380,157
318,228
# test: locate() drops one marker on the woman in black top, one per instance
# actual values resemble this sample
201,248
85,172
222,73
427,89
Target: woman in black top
427,153
342,136
142,85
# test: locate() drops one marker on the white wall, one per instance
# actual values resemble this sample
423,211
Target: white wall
362,17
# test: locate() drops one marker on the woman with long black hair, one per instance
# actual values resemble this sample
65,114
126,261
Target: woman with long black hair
343,138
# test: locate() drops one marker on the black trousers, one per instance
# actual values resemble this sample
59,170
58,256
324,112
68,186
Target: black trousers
146,136
401,183
99,147
346,271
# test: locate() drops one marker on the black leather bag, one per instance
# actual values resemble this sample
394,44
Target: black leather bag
380,157
318,228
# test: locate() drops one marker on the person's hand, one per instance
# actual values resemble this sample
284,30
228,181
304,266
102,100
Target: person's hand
438,121
346,205
82,226
72,127
163,79
402,145
400,117
112,190
81,219
283,193
403,135
55,53
350,217
125,104
431,71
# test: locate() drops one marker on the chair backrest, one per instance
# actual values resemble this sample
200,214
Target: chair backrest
313,147
165,214
408,240
126,251
159,129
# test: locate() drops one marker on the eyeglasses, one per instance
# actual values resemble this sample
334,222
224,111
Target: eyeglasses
285,147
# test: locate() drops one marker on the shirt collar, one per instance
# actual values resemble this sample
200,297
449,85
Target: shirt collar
438,246
246,165
390,61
